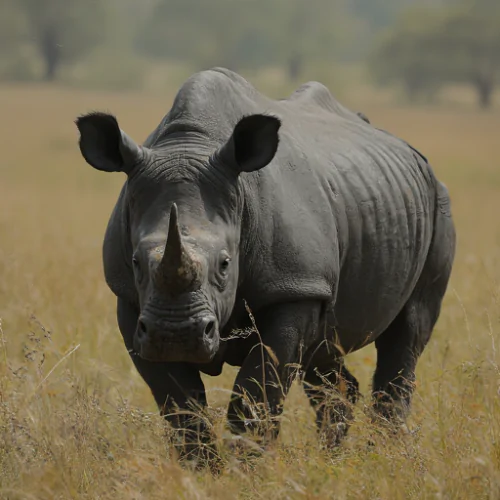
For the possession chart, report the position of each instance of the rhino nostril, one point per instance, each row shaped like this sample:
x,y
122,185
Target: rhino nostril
x,y
209,329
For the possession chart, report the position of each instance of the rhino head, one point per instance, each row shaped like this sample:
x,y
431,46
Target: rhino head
x,y
184,205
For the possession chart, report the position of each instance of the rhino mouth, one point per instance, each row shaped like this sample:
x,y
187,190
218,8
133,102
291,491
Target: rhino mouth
x,y
175,353
197,341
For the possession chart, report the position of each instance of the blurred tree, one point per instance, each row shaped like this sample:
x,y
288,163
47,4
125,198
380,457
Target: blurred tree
x,y
128,17
12,25
16,59
310,30
404,55
244,33
191,30
63,30
459,43
371,17
469,44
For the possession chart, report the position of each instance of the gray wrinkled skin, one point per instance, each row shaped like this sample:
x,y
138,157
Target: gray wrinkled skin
x,y
342,238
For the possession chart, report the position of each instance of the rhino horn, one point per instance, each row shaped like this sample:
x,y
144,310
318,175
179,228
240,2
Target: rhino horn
x,y
177,271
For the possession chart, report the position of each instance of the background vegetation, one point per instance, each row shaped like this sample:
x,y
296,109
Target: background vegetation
x,y
76,420
420,47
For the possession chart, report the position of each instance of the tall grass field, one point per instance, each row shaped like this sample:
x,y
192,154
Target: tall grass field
x,y
78,422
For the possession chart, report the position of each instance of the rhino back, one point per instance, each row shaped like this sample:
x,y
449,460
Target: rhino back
x,y
345,214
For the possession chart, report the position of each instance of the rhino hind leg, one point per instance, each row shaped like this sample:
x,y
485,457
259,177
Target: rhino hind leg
x,y
332,393
398,350
400,346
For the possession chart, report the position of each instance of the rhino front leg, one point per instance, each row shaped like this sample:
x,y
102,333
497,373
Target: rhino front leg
x,y
268,371
178,391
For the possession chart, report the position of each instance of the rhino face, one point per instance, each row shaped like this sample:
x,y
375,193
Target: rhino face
x,y
184,211
186,277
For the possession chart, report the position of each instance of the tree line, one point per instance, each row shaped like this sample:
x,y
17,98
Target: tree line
x,y
420,45
428,49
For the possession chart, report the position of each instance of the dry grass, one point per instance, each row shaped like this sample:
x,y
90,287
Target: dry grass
x,y
76,420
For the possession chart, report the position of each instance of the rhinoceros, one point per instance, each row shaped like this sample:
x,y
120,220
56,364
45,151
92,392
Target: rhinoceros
x,y
276,236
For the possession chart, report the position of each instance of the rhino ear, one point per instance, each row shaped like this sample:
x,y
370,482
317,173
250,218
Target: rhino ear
x,y
253,143
104,146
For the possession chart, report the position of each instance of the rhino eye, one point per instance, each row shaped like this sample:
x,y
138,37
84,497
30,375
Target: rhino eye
x,y
224,265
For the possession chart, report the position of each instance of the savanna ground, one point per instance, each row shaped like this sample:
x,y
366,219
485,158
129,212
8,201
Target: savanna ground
x,y
77,421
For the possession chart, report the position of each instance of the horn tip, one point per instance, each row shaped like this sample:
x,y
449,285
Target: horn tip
x,y
173,226
174,215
